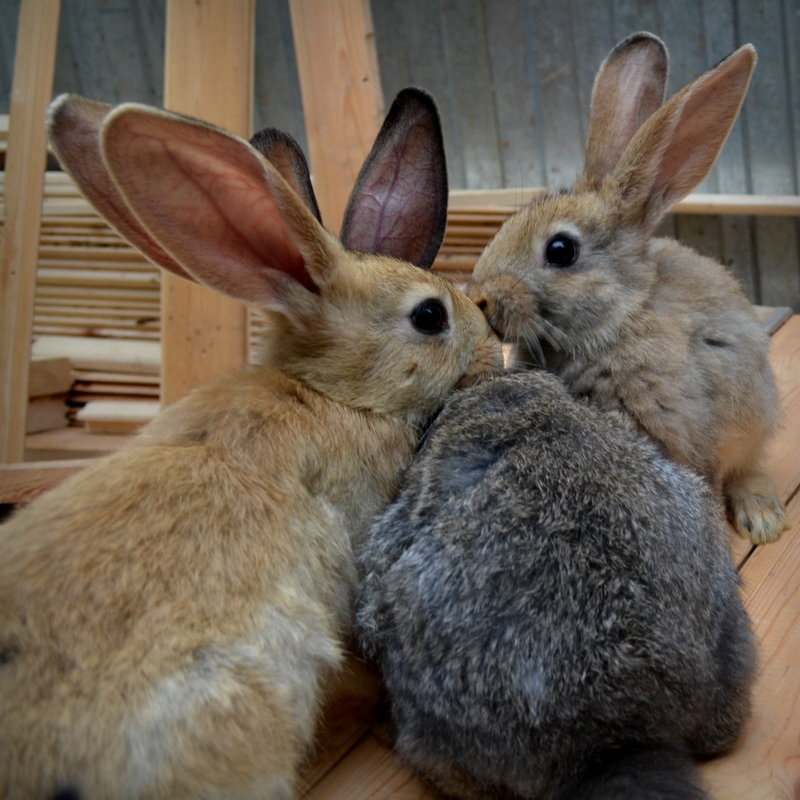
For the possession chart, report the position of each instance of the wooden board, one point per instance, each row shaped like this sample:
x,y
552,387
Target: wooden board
x,y
20,483
25,163
765,765
208,75
341,90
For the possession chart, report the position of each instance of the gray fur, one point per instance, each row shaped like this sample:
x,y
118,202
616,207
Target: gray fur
x,y
552,605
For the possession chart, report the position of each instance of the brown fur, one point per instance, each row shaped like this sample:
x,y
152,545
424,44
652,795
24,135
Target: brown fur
x,y
644,326
168,617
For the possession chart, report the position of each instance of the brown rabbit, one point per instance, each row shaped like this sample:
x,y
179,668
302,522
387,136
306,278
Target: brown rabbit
x,y
169,616
646,325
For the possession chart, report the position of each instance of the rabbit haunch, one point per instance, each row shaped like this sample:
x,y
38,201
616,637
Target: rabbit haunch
x,y
170,616
642,325
552,605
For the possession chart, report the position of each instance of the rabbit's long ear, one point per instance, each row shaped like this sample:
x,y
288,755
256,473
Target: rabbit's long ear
x,y
628,88
678,145
283,152
398,206
74,125
217,206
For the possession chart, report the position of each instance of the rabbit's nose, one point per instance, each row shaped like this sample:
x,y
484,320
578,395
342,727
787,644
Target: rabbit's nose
x,y
489,308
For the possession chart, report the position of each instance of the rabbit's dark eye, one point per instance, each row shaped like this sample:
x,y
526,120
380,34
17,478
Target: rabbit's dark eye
x,y
430,317
562,251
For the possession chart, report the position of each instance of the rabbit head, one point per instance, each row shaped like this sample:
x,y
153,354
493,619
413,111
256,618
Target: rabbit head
x,y
571,268
351,319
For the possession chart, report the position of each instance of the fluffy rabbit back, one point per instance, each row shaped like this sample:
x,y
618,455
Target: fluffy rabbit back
x,y
169,616
549,594
646,326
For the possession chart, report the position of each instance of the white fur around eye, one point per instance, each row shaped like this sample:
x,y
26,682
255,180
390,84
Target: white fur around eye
x,y
568,228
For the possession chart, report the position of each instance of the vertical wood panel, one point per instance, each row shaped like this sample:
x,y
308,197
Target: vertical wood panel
x,y
770,153
559,112
341,91
34,63
277,85
468,65
509,29
209,75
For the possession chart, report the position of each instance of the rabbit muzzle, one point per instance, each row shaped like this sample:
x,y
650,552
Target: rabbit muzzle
x,y
488,360
507,303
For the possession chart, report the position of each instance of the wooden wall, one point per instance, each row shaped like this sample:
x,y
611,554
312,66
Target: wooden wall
x,y
513,80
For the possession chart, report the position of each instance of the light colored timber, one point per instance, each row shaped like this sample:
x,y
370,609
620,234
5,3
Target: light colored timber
x,y
32,88
342,101
209,75
496,200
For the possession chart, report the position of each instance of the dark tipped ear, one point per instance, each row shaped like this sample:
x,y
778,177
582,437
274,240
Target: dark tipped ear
x,y
74,125
283,152
630,86
398,206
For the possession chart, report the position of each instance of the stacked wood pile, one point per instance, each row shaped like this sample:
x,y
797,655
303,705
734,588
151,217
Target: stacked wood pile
x,y
97,304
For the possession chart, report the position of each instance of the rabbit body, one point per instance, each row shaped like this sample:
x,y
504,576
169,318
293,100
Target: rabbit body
x,y
169,617
552,605
640,324
196,602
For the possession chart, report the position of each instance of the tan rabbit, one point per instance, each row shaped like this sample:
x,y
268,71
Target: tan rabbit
x,y
646,325
169,616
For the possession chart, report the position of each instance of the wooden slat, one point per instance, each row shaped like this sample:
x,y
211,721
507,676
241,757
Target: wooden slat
x,y
339,82
783,454
25,162
208,75
370,772
20,483
780,205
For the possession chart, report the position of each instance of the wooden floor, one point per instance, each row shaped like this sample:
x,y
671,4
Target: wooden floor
x,y
353,764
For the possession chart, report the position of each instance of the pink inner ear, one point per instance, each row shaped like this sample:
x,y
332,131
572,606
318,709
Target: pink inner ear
x,y
207,199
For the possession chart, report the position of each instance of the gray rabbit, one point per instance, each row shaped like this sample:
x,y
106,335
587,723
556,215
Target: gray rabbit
x,y
552,605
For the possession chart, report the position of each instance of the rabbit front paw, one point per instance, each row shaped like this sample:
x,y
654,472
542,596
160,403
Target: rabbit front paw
x,y
755,509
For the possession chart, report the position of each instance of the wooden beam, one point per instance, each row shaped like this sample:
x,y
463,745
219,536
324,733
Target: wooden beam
x,y
34,65
777,205
340,85
208,75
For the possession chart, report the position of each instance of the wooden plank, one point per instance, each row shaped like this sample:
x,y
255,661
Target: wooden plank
x,y
559,114
21,482
471,90
341,90
34,63
70,443
777,205
765,765
101,354
783,454
49,376
370,772
346,718
277,86
208,75
509,30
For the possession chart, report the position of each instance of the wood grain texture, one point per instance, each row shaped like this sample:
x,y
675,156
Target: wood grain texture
x,y
765,764
208,75
25,162
341,90
20,483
